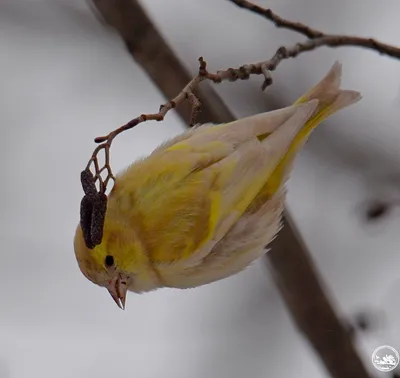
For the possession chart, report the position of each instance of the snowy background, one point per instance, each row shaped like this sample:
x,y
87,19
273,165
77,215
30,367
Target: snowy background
x,y
65,79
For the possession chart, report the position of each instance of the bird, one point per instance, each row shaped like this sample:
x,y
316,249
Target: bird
x,y
205,204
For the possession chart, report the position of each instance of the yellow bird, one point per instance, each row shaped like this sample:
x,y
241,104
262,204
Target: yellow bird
x,y
205,204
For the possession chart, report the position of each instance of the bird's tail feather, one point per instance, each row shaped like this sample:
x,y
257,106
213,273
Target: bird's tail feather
x,y
330,100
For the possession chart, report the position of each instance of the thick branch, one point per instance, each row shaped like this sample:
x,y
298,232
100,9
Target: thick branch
x,y
149,48
303,292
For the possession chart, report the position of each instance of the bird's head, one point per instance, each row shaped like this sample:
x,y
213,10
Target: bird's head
x,y
120,263
102,267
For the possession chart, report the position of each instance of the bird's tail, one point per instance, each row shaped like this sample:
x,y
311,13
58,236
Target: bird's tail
x,y
330,100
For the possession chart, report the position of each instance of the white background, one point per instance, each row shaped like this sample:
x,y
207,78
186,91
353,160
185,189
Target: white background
x,y
64,79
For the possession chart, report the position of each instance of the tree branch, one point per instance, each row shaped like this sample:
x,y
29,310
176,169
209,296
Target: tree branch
x,y
278,21
150,50
144,41
303,292
317,38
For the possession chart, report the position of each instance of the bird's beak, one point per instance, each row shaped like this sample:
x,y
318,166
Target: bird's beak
x,y
117,289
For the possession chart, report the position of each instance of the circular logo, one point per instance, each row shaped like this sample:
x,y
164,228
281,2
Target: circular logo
x,y
385,358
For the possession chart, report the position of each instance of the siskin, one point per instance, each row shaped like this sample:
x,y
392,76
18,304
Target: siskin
x,y
204,205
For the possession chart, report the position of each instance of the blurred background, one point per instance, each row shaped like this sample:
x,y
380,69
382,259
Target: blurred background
x,y
66,78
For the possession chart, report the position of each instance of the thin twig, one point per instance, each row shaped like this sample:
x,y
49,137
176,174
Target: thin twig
x,y
187,93
316,37
278,21
106,141
233,74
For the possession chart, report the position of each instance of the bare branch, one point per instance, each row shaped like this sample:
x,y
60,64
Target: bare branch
x,y
231,74
277,20
316,37
158,60
187,93
303,291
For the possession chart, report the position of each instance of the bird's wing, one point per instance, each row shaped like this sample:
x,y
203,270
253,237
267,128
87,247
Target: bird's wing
x,y
188,193
185,197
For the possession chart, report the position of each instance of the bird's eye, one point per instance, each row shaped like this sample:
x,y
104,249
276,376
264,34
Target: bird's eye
x,y
109,261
